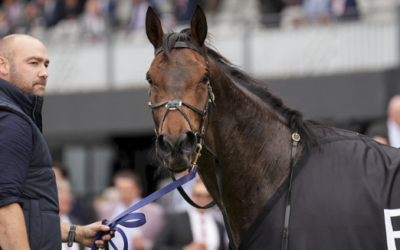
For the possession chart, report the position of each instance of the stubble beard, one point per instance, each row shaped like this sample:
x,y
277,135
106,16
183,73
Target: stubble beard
x,y
21,83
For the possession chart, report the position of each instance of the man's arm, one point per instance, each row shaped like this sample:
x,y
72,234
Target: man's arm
x,y
86,235
13,234
15,154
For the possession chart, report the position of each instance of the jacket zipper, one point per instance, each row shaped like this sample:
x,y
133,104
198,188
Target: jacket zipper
x,y
34,110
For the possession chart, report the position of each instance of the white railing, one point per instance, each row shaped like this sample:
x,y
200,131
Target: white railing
x,y
342,47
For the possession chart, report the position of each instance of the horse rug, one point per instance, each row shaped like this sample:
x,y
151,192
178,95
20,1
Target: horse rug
x,y
345,195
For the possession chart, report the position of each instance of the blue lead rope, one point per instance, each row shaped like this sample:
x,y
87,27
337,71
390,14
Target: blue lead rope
x,y
126,217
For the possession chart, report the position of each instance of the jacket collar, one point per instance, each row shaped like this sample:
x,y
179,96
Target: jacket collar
x,y
30,104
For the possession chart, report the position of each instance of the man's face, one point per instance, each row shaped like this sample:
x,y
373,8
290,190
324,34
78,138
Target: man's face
x,y
127,190
28,67
65,201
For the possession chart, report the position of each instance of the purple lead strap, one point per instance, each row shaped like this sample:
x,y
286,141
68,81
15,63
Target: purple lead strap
x,y
126,217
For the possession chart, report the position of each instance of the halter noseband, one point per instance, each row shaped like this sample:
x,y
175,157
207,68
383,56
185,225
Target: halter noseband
x,y
177,105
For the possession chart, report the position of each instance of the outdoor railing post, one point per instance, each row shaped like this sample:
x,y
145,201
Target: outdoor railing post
x,y
109,50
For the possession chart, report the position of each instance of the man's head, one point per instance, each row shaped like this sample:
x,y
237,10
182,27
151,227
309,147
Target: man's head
x,y
128,185
394,109
23,63
60,171
200,195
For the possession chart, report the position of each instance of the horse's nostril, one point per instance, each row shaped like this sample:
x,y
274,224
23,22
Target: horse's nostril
x,y
164,144
186,142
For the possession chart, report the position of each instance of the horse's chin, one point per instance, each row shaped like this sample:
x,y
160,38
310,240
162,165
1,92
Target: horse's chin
x,y
179,165
178,170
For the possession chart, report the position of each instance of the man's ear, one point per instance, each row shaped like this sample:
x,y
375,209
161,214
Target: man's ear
x,y
4,66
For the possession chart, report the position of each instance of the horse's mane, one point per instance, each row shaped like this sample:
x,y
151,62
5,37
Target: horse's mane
x,y
295,118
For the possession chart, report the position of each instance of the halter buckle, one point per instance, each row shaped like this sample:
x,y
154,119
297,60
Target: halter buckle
x,y
196,156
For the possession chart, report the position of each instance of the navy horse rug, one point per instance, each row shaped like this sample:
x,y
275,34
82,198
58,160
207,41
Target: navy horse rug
x,y
345,195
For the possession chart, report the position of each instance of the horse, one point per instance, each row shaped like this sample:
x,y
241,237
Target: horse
x,y
201,101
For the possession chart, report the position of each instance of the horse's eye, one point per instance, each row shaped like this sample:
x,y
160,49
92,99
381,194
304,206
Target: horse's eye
x,y
206,78
149,79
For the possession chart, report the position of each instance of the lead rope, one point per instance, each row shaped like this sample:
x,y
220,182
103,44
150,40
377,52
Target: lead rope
x,y
285,236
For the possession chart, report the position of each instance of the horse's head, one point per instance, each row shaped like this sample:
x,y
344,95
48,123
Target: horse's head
x,y
180,92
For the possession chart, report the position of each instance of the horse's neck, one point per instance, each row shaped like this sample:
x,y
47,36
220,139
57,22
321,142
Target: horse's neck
x,y
252,143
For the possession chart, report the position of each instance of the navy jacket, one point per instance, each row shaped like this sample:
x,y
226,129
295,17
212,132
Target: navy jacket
x,y
39,197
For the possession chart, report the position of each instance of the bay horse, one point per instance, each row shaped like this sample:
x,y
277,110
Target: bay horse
x,y
197,95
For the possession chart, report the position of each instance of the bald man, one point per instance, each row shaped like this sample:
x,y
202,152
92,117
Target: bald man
x,y
28,194
388,131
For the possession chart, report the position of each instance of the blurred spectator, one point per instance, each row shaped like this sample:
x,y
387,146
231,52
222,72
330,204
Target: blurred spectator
x,y
122,13
270,11
53,11
93,23
344,9
65,204
73,8
317,10
184,10
129,188
173,202
60,171
107,8
211,6
14,13
196,229
61,174
105,204
4,29
300,12
388,131
32,19
292,14
138,18
166,11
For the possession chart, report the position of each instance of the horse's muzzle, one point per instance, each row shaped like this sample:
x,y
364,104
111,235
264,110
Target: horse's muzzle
x,y
177,155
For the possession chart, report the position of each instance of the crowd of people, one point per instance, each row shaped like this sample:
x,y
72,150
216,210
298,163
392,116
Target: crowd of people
x,y
90,18
171,223
295,13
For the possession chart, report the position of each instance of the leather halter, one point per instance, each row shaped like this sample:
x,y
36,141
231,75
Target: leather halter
x,y
177,105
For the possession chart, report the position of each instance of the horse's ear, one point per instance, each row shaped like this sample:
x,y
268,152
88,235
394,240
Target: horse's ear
x,y
154,29
198,26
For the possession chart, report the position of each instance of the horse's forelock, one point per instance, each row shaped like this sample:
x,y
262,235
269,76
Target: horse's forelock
x,y
171,38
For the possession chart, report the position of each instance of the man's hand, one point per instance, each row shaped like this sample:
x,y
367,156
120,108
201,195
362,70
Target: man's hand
x,y
85,235
195,246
